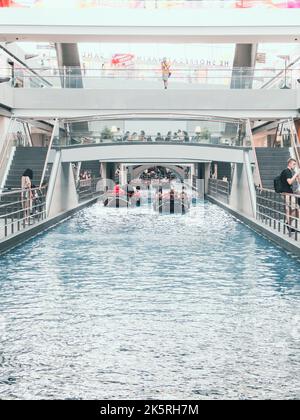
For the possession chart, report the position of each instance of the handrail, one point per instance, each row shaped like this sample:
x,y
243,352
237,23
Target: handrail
x,y
48,152
19,210
218,187
279,194
277,211
6,146
217,141
87,188
2,152
193,74
26,67
281,72
175,68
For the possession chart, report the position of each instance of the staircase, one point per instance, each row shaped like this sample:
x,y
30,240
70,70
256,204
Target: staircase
x,y
271,162
25,157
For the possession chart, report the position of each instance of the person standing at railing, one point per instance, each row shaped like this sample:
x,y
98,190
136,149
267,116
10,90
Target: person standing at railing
x,y
166,72
186,137
288,178
142,136
26,195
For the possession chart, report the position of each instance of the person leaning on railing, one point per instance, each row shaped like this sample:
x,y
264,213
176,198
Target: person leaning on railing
x,y
288,178
26,195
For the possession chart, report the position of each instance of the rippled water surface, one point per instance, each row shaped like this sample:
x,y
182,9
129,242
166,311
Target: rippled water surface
x,y
128,304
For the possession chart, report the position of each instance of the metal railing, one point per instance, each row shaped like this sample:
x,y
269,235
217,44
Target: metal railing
x,y
279,212
20,209
219,189
87,189
193,74
217,140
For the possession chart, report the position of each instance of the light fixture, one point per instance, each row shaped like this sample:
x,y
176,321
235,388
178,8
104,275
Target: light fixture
x,y
30,56
114,129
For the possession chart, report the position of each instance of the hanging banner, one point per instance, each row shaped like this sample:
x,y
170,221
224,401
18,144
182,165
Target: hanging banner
x,y
122,59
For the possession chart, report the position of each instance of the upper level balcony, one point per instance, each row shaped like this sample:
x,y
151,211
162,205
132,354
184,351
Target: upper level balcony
x,y
190,22
75,92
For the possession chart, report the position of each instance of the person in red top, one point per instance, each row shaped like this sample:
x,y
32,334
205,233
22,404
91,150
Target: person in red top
x,y
118,190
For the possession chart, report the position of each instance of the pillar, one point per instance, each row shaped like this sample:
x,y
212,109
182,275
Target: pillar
x,y
243,195
123,174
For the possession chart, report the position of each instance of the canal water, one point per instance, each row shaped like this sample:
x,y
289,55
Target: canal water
x,y
118,303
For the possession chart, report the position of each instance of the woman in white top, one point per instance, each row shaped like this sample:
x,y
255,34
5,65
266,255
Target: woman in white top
x,y
166,71
26,183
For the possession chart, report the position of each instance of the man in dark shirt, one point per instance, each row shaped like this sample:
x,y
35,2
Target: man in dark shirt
x,y
288,178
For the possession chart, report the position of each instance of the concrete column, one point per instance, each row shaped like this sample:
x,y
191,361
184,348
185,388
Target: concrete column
x,y
107,181
63,194
243,196
123,174
68,58
4,124
103,170
130,173
244,60
111,170
207,169
193,174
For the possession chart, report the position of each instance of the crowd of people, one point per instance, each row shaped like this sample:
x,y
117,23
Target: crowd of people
x,y
179,135
85,175
158,173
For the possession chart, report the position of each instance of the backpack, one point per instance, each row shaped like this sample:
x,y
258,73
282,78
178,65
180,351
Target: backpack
x,y
278,184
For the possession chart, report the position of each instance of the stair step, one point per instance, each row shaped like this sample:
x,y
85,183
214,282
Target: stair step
x,y
26,157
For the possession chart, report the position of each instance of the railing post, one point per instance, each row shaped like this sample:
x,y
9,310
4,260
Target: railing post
x,y
28,134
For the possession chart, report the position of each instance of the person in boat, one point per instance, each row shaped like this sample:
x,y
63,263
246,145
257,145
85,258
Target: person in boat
x,y
184,199
129,190
183,195
137,195
118,190
170,195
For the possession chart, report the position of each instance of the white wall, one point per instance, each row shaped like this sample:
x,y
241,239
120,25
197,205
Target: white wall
x,y
4,122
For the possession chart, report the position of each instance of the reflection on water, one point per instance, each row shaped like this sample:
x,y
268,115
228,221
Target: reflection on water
x,y
129,304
